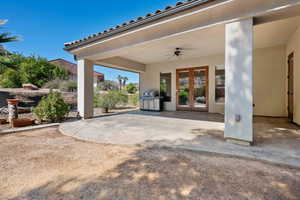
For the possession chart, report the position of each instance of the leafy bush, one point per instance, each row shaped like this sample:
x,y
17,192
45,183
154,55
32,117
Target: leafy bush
x,y
52,108
134,99
122,97
110,100
63,85
53,84
68,86
131,88
10,79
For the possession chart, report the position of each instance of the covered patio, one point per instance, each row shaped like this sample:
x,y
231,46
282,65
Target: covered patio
x,y
276,139
217,58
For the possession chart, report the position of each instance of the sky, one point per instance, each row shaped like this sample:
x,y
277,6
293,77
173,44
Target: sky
x,y
44,26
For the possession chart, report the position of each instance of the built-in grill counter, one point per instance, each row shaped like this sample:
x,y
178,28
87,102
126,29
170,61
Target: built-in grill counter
x,y
151,101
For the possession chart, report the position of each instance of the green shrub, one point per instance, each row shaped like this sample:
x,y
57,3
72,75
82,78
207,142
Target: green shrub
x,y
52,108
53,84
134,99
110,100
63,85
10,79
121,96
131,88
68,86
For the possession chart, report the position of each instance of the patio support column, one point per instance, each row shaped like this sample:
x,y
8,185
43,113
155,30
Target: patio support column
x,y
85,88
238,89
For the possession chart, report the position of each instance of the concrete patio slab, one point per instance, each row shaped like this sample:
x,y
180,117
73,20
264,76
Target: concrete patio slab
x,y
276,140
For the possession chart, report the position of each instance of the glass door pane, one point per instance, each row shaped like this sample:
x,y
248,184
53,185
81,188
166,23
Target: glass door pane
x,y
183,88
200,86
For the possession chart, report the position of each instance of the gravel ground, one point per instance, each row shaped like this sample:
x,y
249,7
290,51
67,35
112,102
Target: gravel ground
x,y
44,164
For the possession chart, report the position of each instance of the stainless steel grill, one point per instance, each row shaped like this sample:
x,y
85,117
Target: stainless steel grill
x,y
151,101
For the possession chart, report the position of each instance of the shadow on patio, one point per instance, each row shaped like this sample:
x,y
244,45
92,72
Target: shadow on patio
x,y
276,139
267,130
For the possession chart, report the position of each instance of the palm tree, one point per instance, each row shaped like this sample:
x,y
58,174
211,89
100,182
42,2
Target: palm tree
x,y
120,78
125,79
5,37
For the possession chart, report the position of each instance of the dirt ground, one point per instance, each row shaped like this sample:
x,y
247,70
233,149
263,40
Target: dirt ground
x,y
44,164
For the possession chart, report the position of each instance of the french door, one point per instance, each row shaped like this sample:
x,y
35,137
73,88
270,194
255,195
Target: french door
x,y
192,89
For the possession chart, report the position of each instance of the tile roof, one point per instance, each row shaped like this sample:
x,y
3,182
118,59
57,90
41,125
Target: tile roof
x,y
167,11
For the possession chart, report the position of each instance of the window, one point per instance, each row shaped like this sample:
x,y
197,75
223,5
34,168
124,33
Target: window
x,y
166,86
220,84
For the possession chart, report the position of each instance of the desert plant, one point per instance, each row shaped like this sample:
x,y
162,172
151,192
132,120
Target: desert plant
x,y
134,99
53,84
105,101
121,96
62,85
68,86
52,108
110,99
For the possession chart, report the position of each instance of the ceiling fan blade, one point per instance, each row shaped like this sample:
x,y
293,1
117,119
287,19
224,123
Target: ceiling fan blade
x,y
187,48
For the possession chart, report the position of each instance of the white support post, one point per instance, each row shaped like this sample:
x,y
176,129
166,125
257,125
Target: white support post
x,y
238,91
85,88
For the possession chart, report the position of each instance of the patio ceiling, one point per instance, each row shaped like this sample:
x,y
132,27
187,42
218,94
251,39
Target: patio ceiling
x,y
210,41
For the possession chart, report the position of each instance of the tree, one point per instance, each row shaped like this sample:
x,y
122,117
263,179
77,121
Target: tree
x,y
10,79
120,79
125,79
6,36
39,71
34,70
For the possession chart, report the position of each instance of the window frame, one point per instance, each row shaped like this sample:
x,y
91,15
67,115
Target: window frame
x,y
220,67
170,97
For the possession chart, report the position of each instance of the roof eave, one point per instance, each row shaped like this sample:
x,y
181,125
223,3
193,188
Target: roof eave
x,y
165,13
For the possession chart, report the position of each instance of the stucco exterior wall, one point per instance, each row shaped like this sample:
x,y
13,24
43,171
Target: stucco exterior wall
x,y
294,46
269,80
269,75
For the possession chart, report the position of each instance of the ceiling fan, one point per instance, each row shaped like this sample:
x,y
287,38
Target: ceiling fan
x,y
178,52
